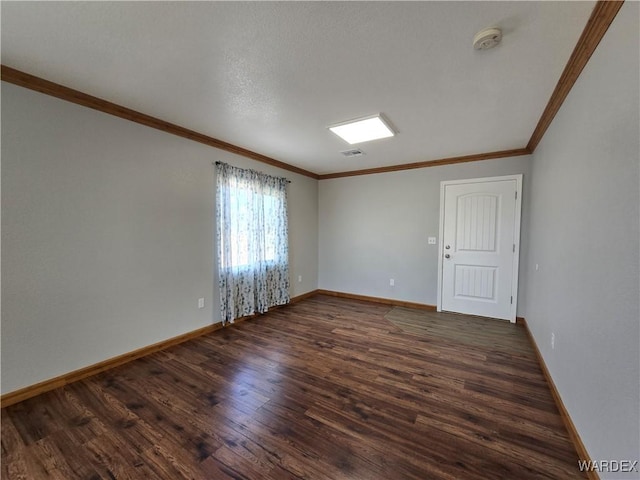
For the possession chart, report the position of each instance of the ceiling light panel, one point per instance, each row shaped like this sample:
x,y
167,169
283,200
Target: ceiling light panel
x,y
363,130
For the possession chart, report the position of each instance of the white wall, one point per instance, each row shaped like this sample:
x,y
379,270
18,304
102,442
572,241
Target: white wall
x,y
375,227
107,236
584,237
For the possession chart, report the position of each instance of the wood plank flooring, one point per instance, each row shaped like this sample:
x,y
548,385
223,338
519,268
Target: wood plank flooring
x,y
327,388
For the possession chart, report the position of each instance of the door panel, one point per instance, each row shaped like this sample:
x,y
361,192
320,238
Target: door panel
x,y
475,282
476,222
479,236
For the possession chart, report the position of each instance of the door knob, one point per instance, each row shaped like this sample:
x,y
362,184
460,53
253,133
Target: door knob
x,y
447,256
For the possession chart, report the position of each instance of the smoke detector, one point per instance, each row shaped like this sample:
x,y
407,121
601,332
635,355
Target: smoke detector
x,y
487,38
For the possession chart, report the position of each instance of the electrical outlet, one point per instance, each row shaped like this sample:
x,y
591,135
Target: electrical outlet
x,y
553,340
392,282
432,240
299,278
201,303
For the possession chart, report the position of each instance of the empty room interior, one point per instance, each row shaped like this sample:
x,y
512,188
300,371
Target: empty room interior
x,y
320,240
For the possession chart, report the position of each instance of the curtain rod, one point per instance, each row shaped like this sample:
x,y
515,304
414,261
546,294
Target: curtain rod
x,y
218,163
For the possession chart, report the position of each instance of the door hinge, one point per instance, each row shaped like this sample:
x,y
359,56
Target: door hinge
x,y
514,248
511,300
516,194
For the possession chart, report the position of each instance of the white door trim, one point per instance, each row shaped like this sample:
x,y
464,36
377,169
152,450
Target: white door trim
x,y
516,260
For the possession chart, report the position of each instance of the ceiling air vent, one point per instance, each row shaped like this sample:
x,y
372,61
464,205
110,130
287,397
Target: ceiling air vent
x,y
355,152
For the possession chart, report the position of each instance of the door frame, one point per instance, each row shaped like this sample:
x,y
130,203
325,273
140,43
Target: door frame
x,y
516,237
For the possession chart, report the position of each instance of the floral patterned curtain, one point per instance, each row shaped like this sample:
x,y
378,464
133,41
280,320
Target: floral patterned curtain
x,y
253,244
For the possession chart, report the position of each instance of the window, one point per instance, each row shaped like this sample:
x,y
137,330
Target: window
x,y
241,225
252,237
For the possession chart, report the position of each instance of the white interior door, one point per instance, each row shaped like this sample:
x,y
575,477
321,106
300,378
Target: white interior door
x,y
479,246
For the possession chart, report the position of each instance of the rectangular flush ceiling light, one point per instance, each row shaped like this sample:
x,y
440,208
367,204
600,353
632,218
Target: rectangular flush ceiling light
x,y
363,130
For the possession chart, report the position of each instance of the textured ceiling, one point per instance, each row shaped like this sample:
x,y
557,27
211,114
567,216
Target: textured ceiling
x,y
271,76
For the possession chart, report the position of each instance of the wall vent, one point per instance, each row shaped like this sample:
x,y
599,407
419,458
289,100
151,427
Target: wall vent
x,y
354,152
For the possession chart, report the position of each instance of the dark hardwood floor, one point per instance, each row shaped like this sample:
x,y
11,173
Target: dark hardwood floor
x,y
327,388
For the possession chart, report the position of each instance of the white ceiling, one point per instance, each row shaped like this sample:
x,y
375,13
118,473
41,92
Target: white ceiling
x,y
271,76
